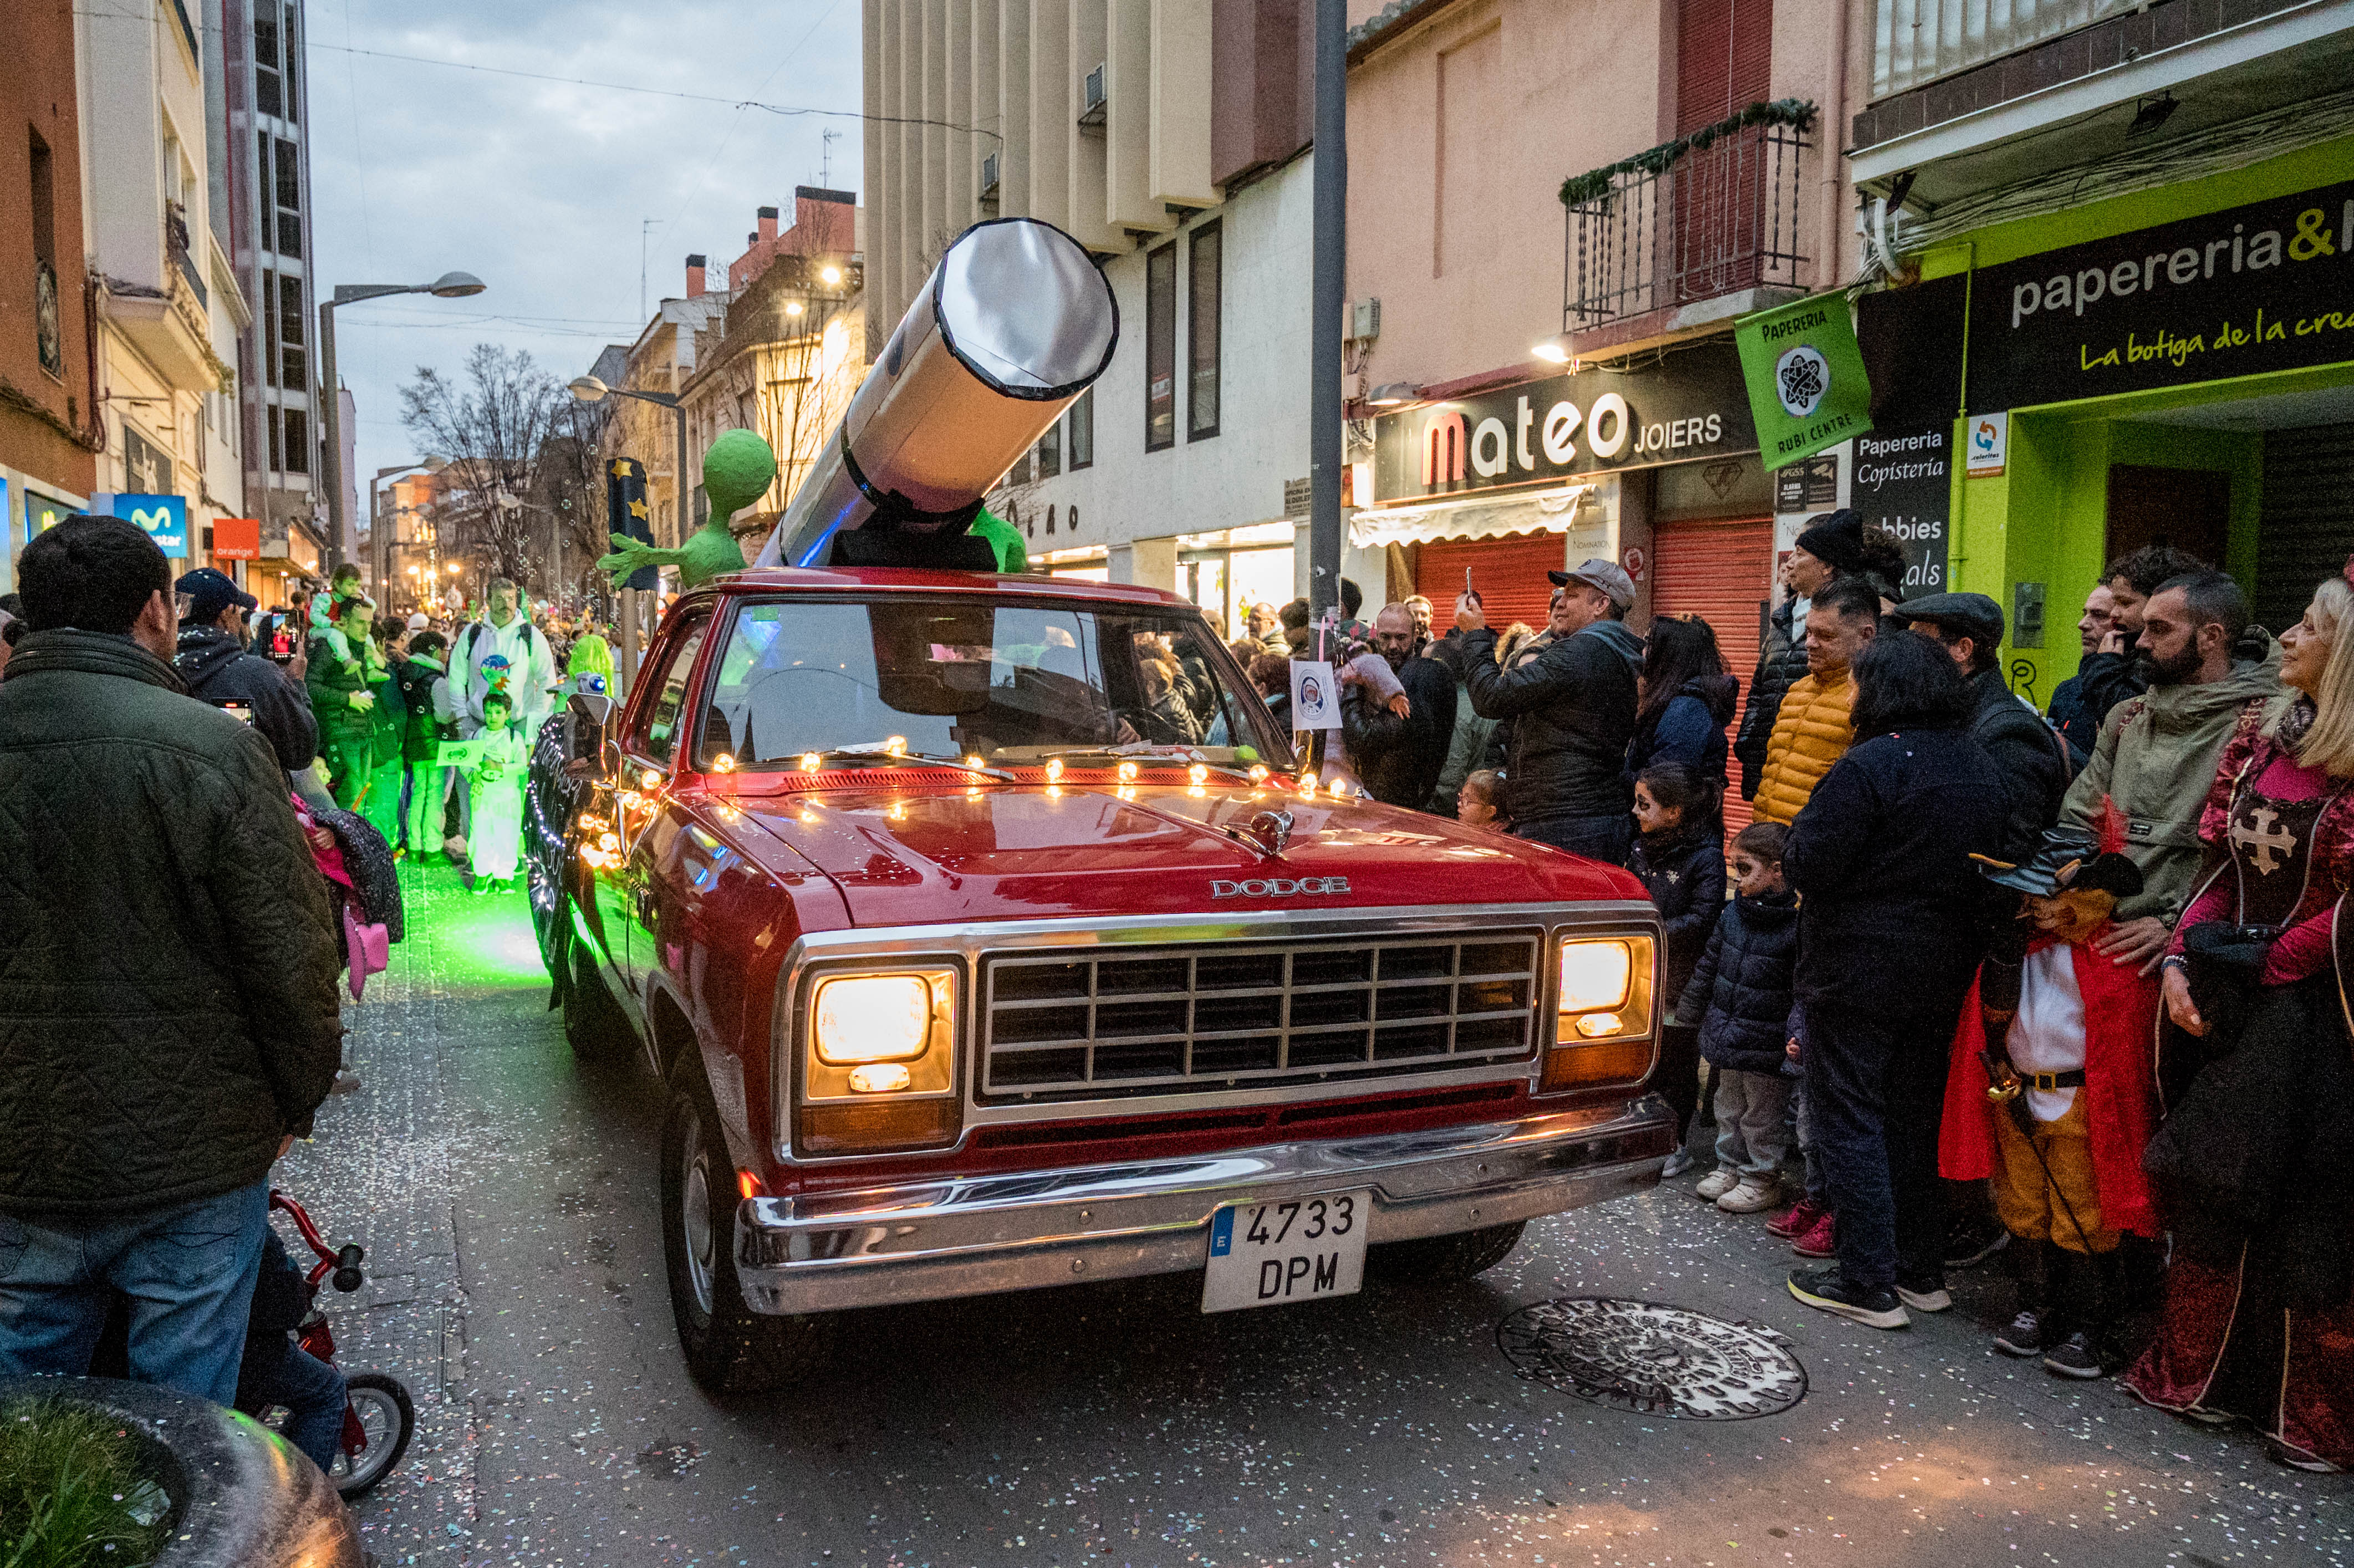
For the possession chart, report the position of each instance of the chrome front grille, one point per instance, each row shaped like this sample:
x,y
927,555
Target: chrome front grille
x,y
1131,1022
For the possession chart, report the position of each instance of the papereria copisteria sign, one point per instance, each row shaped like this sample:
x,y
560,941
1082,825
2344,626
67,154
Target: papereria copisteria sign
x,y
1683,405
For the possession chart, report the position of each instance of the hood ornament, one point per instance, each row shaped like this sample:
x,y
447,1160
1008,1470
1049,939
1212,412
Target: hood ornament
x,y
1268,833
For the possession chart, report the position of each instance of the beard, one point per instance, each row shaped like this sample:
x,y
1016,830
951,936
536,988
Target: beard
x,y
2174,671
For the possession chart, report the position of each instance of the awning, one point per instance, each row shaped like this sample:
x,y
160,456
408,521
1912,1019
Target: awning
x,y
1487,517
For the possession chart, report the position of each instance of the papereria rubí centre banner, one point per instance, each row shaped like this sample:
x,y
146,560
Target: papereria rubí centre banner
x,y
1806,380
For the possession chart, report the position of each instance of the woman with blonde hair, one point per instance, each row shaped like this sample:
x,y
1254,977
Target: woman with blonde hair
x,y
2256,1073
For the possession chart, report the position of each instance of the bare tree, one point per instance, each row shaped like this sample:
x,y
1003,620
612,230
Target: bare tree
x,y
495,423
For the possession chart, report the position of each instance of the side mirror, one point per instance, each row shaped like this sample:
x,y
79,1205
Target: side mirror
x,y
590,716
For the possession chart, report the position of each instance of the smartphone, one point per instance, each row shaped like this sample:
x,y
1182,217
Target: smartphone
x,y
1469,591
242,712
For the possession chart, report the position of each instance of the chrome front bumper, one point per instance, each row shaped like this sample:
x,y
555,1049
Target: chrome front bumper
x,y
933,1240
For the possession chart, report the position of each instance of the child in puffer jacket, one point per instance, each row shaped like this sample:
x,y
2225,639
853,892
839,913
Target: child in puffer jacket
x,y
1741,995
1680,856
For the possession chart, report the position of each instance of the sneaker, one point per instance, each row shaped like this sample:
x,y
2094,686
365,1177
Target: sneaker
x,y
1973,1241
1751,1195
2023,1338
1678,1164
1924,1292
2075,1356
1797,1219
1821,1241
1717,1183
1829,1290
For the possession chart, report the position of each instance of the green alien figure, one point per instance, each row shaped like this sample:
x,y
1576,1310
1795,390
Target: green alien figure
x,y
735,471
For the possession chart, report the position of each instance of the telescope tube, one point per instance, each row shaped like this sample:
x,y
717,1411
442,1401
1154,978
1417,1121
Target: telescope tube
x,y
1015,322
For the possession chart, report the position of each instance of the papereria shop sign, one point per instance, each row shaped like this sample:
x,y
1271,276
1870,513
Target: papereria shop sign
x,y
1685,406
2268,286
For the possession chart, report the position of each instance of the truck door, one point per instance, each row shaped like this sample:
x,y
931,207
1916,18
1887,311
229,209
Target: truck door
x,y
653,747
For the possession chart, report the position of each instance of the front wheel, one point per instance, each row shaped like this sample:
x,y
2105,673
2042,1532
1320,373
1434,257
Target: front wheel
x,y
730,1348
1444,1260
377,1425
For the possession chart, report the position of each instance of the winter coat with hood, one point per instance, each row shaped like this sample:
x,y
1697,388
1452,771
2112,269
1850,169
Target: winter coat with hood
x,y
1891,918
217,669
1781,664
1572,712
168,1009
2031,758
1684,867
338,669
1811,733
1689,729
1741,993
2156,758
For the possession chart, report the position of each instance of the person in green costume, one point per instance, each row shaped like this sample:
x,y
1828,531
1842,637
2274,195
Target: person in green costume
x,y
736,469
1012,553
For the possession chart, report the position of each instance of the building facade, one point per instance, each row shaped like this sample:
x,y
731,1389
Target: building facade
x,y
1173,142
48,391
2137,331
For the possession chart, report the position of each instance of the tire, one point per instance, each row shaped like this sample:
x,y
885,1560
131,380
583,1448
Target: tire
x,y
594,1023
389,1418
1444,1260
730,1348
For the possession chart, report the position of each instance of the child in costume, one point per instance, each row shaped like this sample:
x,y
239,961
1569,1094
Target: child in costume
x,y
2051,1094
495,790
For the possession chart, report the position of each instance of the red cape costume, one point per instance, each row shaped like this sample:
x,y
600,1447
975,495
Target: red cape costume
x,y
2121,1102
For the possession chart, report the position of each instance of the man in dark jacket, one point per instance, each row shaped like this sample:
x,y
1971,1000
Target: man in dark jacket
x,y
2118,671
2070,712
1400,759
1572,712
168,1020
212,658
2032,761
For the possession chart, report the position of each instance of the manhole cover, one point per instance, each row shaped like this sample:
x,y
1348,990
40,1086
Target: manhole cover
x,y
1652,1359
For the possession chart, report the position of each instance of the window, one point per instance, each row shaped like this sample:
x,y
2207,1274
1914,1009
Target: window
x,y
1160,349
262,183
293,57
269,303
266,62
1082,430
1202,332
1050,451
669,701
289,187
145,464
298,441
48,333
277,452
293,372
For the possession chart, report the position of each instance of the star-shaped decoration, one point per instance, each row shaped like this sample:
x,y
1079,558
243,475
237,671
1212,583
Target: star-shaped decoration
x,y
637,509
620,468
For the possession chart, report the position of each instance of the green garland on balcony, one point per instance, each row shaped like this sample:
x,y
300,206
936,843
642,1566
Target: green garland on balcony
x,y
1798,113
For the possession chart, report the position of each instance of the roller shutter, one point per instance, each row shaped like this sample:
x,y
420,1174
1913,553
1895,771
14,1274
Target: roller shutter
x,y
1510,574
1722,573
2307,527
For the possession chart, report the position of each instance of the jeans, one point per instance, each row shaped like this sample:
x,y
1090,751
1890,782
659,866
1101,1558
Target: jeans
x,y
188,1271
1752,1110
311,1390
1608,837
1876,1094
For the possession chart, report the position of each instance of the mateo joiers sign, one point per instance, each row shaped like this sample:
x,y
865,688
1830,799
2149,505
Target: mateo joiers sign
x,y
1686,405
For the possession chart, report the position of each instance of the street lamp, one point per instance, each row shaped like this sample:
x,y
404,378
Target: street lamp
x,y
379,547
448,286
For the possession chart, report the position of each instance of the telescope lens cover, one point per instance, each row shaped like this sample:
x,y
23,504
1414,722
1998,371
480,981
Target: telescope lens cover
x,y
1025,310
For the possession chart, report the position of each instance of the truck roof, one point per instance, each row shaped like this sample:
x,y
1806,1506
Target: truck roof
x,y
858,580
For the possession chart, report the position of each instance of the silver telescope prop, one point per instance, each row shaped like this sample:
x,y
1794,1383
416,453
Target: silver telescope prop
x,y
1014,323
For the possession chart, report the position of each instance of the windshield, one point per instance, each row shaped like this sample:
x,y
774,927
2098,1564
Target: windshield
x,y
1012,683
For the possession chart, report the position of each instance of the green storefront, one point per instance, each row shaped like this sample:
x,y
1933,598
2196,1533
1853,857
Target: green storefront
x,y
2174,364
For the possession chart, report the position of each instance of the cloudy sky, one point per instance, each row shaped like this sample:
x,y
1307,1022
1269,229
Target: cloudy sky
x,y
541,188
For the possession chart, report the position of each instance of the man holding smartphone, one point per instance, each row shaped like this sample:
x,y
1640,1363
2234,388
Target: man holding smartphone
x,y
213,659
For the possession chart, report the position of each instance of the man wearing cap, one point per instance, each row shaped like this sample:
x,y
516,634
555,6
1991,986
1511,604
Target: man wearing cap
x,y
2034,761
212,658
1573,713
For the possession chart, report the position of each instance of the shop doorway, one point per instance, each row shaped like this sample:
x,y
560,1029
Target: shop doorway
x,y
2307,528
2188,508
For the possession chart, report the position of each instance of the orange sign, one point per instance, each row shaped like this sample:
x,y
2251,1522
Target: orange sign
x,y
236,539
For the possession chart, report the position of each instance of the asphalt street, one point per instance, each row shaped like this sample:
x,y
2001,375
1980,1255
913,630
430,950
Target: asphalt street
x,y
507,1199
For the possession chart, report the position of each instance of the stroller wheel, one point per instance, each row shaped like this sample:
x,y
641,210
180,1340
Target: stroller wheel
x,y
384,1419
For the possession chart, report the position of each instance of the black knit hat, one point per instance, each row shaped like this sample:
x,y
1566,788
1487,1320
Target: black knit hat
x,y
1836,539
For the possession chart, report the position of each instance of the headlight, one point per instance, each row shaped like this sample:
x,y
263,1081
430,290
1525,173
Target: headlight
x,y
1604,1027
879,1071
871,1018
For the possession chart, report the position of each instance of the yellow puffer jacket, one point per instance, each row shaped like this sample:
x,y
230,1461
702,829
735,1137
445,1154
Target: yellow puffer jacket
x,y
1813,730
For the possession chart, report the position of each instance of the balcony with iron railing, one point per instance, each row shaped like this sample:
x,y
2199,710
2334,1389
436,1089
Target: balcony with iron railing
x,y
1709,215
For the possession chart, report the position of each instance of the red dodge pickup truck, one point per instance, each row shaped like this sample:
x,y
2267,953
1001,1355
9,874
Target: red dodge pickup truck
x,y
987,937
